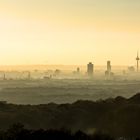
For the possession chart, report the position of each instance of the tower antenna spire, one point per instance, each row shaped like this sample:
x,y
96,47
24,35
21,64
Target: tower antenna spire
x,y
137,59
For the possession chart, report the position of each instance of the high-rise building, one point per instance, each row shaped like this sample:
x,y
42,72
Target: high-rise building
x,y
108,71
109,67
90,69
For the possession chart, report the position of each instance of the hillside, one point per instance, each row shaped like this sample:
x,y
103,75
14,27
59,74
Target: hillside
x,y
116,117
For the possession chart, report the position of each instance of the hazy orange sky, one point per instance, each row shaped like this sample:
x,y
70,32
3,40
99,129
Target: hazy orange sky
x,y
69,31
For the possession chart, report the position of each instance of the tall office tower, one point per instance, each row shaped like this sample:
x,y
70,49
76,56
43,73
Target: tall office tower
x,y
108,71
109,67
90,69
137,59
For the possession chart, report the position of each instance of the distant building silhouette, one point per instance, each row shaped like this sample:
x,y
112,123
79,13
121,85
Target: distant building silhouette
x,y
78,70
137,59
108,71
131,69
57,72
90,69
109,67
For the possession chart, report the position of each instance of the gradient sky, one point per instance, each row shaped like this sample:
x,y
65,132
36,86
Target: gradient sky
x,y
69,31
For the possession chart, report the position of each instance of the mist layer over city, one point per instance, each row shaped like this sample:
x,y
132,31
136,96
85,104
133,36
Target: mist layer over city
x,y
67,84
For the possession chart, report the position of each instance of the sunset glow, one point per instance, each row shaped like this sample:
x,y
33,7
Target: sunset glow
x,y
69,31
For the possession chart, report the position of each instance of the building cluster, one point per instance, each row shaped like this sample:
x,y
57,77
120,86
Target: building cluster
x,y
90,69
108,72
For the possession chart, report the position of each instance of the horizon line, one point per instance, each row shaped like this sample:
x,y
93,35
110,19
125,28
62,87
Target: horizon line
x,y
59,65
